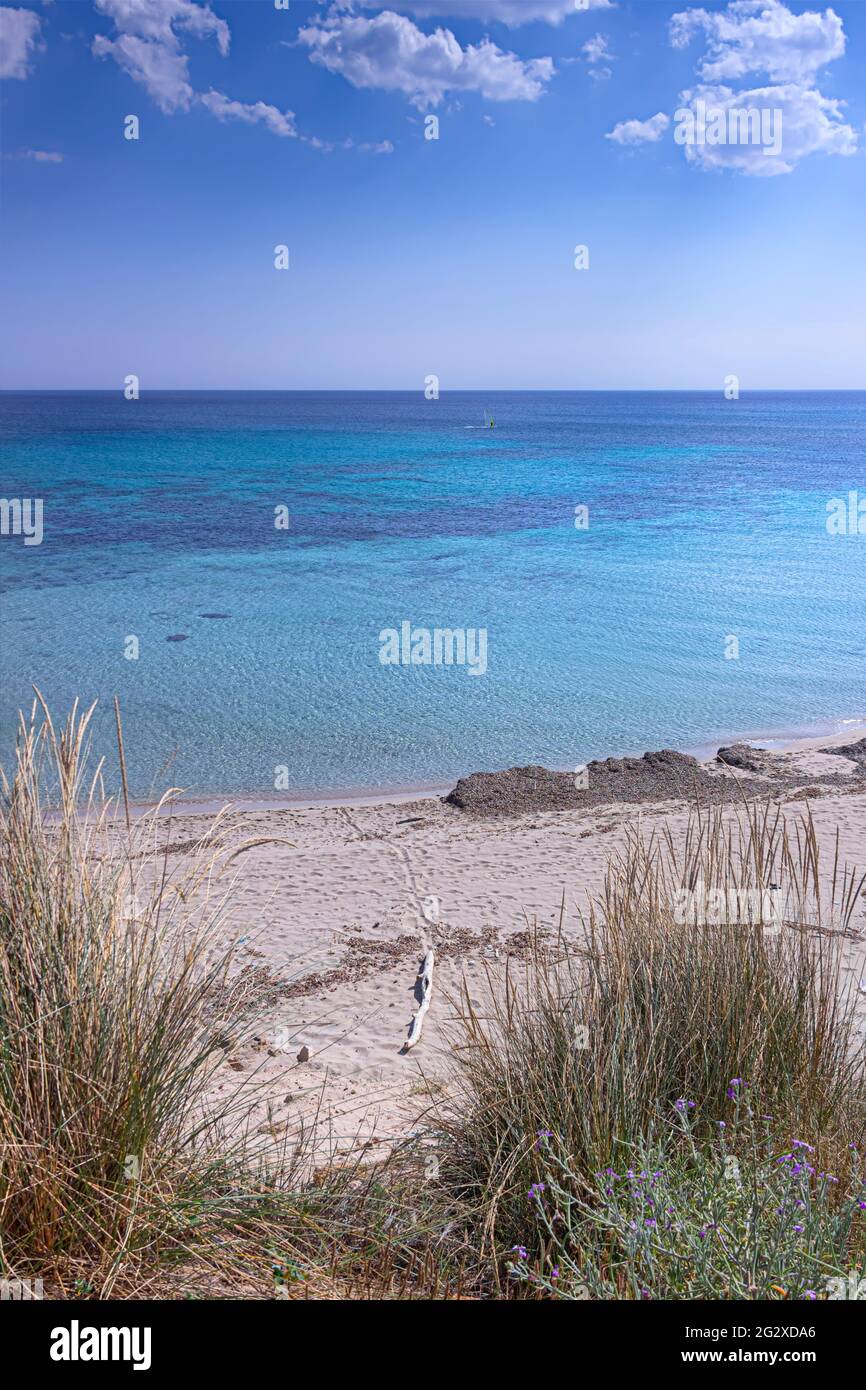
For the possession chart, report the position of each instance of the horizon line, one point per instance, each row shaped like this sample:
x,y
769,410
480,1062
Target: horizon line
x,y
416,390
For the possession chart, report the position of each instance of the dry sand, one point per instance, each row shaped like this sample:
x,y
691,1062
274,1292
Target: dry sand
x,y
333,926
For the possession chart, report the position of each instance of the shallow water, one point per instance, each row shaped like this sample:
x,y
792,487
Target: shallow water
x,y
707,521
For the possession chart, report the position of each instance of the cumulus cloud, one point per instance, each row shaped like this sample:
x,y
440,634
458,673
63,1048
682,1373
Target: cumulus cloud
x,y
761,131
640,132
596,49
510,12
761,36
252,113
160,19
598,55
148,47
161,69
390,53
765,37
19,36
793,122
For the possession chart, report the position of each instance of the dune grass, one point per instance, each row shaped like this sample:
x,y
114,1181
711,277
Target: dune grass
x,y
616,1050
591,1044
120,1174
108,993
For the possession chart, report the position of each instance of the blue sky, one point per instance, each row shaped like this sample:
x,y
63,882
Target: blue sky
x,y
261,126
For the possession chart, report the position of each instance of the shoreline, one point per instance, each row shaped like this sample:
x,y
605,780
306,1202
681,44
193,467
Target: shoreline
x,y
333,905
780,741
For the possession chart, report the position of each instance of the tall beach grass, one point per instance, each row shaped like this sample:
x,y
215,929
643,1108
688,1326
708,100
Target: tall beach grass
x,y
590,1045
121,1174
635,1042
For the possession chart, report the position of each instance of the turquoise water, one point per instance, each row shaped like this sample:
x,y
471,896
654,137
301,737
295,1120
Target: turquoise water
x,y
707,519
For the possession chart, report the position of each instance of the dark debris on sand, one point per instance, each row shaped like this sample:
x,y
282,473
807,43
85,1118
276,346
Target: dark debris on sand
x,y
660,776
745,758
656,777
855,751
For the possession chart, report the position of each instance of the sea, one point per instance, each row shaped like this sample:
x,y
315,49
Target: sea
x,y
272,583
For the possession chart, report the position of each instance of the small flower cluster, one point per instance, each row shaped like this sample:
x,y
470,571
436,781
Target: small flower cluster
x,y
693,1216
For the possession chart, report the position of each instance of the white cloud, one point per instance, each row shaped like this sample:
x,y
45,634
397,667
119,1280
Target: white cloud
x,y
328,146
761,36
148,47
640,132
159,19
253,113
761,131
764,36
807,123
19,36
510,12
598,55
44,156
159,68
596,49
390,53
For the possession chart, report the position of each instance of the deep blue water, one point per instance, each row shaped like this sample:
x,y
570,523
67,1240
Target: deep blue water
x,y
707,520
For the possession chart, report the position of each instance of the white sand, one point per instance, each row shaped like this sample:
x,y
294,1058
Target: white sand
x,y
424,871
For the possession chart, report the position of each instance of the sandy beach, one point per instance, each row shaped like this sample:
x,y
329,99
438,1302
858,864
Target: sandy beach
x,y
333,920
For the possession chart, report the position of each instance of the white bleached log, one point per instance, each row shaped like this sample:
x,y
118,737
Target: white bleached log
x,y
426,977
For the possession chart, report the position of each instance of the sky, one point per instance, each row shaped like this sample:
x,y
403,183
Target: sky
x,y
561,124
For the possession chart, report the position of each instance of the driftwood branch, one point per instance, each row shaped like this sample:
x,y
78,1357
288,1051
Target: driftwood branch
x,y
425,976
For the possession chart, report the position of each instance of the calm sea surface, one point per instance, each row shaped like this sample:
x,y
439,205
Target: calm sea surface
x,y
707,521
